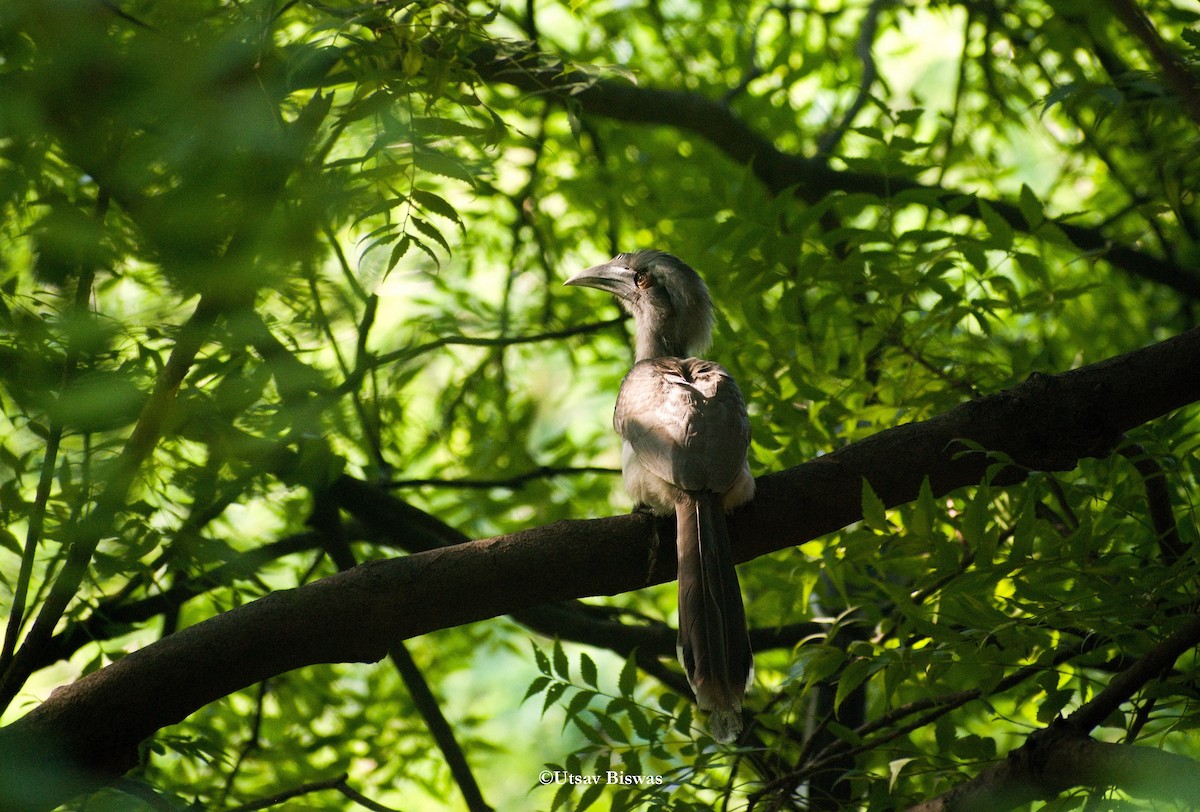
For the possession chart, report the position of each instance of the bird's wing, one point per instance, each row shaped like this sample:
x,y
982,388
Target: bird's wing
x,y
686,422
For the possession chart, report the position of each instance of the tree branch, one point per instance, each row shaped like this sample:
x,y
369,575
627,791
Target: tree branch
x,y
1158,501
87,733
810,178
339,783
408,353
514,482
1176,71
1125,684
1063,756
1057,759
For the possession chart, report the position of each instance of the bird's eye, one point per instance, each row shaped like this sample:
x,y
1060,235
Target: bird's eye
x,y
641,279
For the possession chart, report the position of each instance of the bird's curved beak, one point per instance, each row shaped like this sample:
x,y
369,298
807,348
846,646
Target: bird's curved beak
x,y
615,279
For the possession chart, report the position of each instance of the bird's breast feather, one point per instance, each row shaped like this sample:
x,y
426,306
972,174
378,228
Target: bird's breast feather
x,y
686,422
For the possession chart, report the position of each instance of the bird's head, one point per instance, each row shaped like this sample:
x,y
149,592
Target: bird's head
x,y
667,299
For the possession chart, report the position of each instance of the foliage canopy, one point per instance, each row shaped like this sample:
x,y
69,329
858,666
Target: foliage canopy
x,y
280,294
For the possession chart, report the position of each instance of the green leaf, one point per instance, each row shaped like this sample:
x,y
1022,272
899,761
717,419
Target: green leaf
x,y
894,768
628,679
611,727
852,676
1034,267
563,795
578,703
430,127
556,690
1050,708
98,401
874,512
562,666
815,663
1024,531
945,734
445,165
997,226
1031,207
429,252
438,205
398,252
683,722
589,731
9,542
1060,94
542,661
603,762
386,205
924,510
587,669
641,723
874,133
631,762
590,795
426,228
976,519
974,254
536,687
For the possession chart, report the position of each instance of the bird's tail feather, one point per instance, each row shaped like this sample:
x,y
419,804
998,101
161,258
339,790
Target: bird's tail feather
x,y
714,647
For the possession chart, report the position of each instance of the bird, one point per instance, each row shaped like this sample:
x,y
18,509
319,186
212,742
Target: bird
x,y
685,437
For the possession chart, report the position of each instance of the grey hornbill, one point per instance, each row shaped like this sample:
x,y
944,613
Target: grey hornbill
x,y
685,433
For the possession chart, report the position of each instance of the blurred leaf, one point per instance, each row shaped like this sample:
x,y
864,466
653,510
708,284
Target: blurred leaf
x,y
98,401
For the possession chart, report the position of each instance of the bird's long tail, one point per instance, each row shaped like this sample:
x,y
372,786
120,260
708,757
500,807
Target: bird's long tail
x,y
714,647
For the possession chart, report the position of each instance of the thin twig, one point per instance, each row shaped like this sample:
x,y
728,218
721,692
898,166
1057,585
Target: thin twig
x,y
126,16
251,744
338,783
286,795
1158,502
409,353
870,73
513,482
438,726
37,516
753,68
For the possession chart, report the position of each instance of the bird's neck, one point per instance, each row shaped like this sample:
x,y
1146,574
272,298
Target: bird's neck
x,y
662,340
654,349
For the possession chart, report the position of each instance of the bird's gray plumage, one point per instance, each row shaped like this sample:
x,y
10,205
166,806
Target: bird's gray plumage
x,y
685,423
685,431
